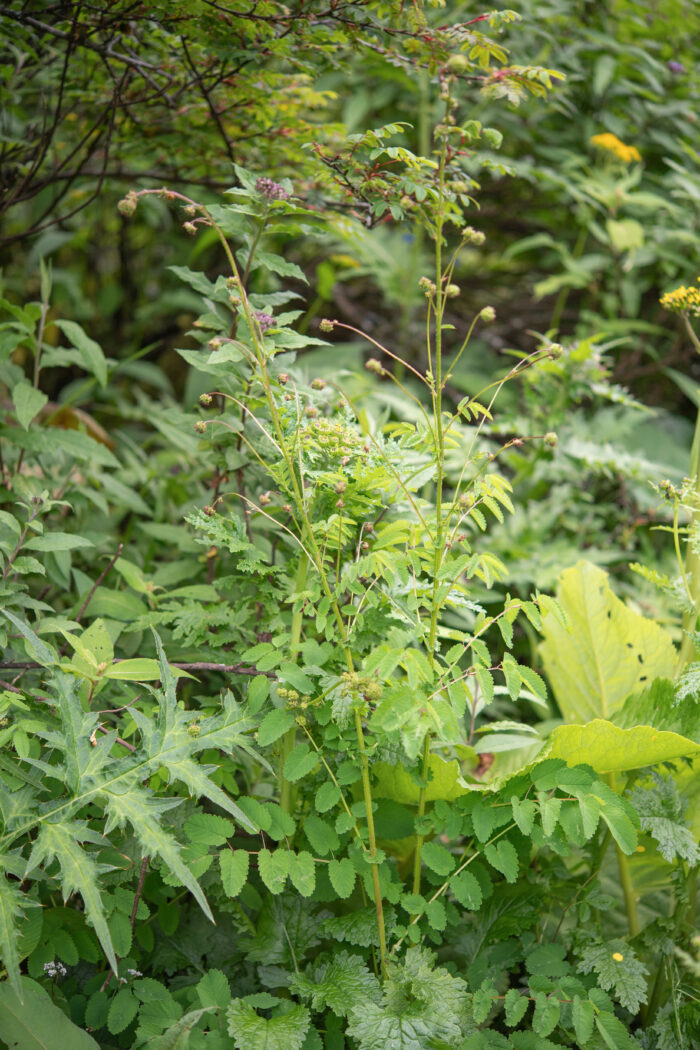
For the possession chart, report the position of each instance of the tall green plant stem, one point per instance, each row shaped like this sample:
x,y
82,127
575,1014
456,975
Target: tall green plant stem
x,y
289,740
626,878
316,557
692,560
367,789
439,437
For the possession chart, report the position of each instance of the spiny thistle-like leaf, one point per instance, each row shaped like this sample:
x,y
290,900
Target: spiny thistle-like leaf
x,y
79,872
143,812
11,904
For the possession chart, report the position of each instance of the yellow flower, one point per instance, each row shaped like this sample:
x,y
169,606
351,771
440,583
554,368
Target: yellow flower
x,y
611,143
683,300
618,956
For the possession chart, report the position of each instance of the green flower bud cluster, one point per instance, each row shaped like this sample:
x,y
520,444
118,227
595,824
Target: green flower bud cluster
x,y
332,437
362,685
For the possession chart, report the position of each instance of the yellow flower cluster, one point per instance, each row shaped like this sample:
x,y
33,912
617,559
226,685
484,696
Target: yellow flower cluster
x,y
612,144
683,300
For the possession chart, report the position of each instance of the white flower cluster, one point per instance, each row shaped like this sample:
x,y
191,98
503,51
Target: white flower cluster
x,y
55,969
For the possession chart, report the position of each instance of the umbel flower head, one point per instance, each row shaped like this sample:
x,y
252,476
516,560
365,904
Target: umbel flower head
x,y
612,144
683,300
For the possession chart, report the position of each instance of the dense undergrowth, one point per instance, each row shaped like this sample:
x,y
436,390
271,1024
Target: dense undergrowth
x,y
323,725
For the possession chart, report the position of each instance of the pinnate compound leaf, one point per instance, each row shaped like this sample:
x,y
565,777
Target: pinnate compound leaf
x,y
234,870
342,876
582,1014
502,856
341,982
618,970
250,1031
607,652
31,1021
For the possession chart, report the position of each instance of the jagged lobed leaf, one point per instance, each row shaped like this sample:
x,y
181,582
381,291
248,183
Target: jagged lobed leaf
x,y
341,982
250,1031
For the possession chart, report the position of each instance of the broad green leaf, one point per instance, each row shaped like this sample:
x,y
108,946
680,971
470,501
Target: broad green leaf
x,y
502,856
213,990
274,725
234,870
140,669
41,652
28,402
608,749
615,1035
546,1015
515,1007
395,782
607,652
74,444
327,796
91,353
322,836
208,829
273,868
302,872
467,890
300,762
582,1016
342,876
437,858
33,1022
122,1011
57,541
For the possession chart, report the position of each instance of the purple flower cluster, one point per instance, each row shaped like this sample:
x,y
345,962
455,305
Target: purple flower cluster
x,y
264,320
271,189
675,67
